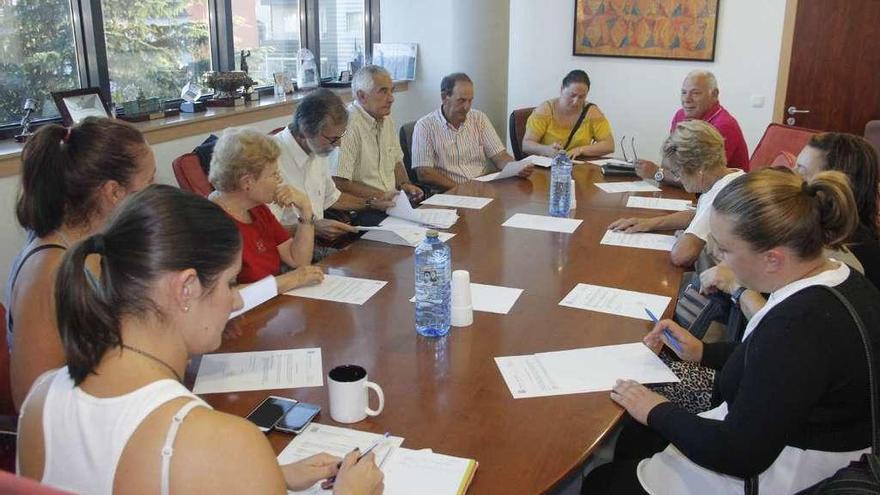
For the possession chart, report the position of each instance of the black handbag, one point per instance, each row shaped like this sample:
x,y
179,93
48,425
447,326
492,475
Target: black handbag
x,y
696,311
862,476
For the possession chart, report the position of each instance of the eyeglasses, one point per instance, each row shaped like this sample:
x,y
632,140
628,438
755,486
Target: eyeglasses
x,y
333,140
632,145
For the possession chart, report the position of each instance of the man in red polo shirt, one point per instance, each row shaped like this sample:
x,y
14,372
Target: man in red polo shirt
x,y
699,100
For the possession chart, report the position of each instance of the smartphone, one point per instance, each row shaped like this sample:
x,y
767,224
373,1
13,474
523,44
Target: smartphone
x,y
272,409
297,418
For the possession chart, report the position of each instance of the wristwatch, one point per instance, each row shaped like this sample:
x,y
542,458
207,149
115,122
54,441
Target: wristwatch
x,y
737,294
310,221
658,175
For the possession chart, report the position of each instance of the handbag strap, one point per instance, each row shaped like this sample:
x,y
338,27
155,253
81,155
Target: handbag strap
x,y
577,124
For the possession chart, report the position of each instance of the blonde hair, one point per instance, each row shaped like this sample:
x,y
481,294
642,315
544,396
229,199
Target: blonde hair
x,y
239,152
693,146
775,207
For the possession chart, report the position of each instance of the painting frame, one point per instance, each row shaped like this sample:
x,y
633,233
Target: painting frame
x,y
66,102
706,54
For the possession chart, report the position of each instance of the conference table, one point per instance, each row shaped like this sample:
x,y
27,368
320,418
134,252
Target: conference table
x,y
447,394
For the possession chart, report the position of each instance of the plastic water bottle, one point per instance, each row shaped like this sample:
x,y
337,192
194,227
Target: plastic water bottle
x,y
433,286
560,185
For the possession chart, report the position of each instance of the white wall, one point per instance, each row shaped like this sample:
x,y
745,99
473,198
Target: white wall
x,y
640,96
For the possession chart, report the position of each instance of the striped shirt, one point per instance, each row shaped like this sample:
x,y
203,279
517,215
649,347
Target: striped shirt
x,y
459,154
369,151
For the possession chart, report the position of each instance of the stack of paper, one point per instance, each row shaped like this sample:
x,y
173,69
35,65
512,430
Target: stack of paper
x,y
622,187
541,222
439,218
406,471
262,370
256,293
457,201
401,235
659,203
337,288
615,301
579,371
657,242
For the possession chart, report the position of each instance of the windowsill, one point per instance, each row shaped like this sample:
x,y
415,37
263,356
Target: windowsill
x,y
192,124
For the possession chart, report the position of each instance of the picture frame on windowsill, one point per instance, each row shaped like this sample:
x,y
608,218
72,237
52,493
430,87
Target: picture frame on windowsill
x,y
75,105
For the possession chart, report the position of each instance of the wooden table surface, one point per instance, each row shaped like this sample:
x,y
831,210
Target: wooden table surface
x,y
447,394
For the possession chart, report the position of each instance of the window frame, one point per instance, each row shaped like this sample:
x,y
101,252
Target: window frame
x,y
91,49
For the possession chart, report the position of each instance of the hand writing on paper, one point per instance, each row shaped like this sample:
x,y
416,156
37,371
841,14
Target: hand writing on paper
x,y
358,477
303,474
688,348
632,225
636,399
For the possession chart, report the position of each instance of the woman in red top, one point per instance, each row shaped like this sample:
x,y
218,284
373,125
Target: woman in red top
x,y
244,172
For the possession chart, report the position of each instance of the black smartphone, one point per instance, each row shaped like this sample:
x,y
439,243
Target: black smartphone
x,y
272,409
297,418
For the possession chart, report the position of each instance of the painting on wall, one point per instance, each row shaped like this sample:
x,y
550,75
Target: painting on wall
x,y
664,29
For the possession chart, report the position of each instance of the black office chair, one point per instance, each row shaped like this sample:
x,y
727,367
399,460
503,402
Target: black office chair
x,y
406,134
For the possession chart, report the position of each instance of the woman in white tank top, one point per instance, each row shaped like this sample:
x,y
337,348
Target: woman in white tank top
x,y
117,419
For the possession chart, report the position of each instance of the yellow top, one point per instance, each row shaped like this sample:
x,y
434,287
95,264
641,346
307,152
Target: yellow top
x,y
542,123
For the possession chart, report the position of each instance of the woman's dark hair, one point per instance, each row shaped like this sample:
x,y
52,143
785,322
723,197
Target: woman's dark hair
x,y
576,76
62,168
856,158
775,207
158,230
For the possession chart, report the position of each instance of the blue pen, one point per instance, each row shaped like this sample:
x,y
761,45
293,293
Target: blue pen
x,y
672,340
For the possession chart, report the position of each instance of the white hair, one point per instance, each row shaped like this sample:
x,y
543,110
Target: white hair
x,y
365,78
711,82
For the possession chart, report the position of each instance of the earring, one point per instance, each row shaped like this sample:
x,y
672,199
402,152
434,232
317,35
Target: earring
x,y
186,309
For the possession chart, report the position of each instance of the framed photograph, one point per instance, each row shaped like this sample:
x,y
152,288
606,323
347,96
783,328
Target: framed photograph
x,y
78,104
283,80
398,58
660,29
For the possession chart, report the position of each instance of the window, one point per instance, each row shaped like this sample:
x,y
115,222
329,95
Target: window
x,y
342,40
155,47
37,56
270,31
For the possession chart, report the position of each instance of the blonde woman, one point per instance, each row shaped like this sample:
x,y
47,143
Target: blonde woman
x,y
244,172
694,154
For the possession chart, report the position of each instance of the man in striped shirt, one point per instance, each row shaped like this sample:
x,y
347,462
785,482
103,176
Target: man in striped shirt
x,y
455,144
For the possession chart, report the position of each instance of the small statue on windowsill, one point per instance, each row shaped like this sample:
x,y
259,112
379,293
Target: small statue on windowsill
x,y
243,63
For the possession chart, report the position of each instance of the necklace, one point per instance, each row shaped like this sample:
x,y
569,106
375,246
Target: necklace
x,y
154,358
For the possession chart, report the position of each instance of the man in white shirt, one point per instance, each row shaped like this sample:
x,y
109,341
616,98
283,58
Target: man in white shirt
x,y
455,144
318,125
370,161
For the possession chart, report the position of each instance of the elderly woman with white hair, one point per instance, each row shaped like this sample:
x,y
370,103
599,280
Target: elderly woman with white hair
x,y
693,154
244,172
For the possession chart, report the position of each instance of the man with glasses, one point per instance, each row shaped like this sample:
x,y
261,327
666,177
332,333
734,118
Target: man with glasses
x,y
318,126
370,161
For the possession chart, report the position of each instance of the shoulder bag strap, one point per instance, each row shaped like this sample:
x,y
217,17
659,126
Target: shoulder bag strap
x,y
577,124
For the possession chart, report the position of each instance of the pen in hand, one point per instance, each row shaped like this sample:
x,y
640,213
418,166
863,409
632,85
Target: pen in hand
x,y
328,483
676,345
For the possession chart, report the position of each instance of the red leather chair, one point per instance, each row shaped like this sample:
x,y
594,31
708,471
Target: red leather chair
x,y
517,129
190,176
779,146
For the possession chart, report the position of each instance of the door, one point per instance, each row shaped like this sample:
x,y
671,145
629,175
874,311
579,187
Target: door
x,y
834,76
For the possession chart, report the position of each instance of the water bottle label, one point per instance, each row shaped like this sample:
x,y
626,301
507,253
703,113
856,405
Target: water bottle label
x,y
429,274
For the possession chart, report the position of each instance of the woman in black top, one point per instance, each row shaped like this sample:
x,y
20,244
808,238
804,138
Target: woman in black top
x,y
794,405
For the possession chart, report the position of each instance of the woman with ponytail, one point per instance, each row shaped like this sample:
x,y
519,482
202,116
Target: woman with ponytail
x,y
117,418
792,398
71,181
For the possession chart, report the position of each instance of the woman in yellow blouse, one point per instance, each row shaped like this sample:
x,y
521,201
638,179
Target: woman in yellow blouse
x,y
549,127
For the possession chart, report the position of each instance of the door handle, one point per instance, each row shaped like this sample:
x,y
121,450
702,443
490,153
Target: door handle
x,y
792,110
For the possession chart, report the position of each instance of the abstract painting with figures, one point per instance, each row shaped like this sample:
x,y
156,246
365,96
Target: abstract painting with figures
x,y
665,29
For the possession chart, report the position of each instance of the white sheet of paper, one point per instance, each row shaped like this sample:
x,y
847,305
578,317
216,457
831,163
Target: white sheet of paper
x,y
453,200
542,222
597,368
261,370
526,377
659,203
424,472
491,298
622,187
337,288
439,218
488,177
545,161
401,235
640,240
256,293
612,161
615,301
336,441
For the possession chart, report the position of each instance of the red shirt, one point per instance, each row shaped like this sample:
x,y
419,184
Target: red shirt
x,y
259,245
735,146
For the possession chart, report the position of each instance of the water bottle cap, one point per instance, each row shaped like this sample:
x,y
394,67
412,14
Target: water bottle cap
x,y
432,233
